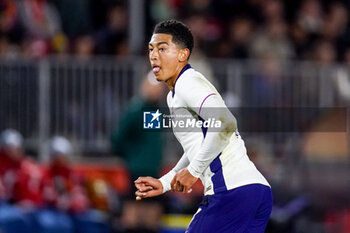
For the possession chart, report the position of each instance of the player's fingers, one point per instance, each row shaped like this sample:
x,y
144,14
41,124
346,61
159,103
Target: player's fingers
x,y
142,180
173,184
152,193
150,181
178,187
138,186
143,187
174,187
186,190
140,194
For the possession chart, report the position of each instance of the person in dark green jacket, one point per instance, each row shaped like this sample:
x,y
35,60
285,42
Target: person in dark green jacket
x,y
141,149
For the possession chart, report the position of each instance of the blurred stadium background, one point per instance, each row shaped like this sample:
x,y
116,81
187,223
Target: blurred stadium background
x,y
77,69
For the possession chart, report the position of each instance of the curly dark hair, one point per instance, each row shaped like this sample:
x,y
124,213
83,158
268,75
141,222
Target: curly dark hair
x,y
182,35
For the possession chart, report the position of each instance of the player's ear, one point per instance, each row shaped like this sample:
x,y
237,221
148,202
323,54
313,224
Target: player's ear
x,y
184,54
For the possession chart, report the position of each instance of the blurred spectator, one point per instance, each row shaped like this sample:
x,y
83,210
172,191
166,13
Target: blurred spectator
x,y
206,32
12,218
9,21
142,150
63,188
122,48
40,18
197,23
273,40
20,177
336,28
195,7
310,16
110,38
64,193
273,10
324,52
60,45
10,151
240,33
161,10
301,40
222,49
84,47
34,48
76,16
335,21
4,47
265,89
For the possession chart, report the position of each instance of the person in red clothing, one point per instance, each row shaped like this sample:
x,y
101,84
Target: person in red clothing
x,y
10,155
63,188
20,177
65,195
20,180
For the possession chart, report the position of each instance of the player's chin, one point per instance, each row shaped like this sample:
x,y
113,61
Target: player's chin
x,y
160,78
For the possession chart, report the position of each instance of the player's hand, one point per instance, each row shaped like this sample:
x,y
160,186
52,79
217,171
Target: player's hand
x,y
148,187
183,181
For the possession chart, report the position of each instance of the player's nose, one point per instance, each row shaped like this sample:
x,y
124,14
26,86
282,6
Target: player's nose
x,y
153,55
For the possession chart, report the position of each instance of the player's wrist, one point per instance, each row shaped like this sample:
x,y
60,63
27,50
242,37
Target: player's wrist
x,y
193,172
165,187
166,180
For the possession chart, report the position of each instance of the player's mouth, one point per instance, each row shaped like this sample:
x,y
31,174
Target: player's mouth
x,y
156,69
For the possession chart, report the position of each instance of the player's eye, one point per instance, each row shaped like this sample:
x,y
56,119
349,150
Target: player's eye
x,y
150,49
161,49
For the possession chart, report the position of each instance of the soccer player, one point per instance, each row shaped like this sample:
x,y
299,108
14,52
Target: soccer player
x,y
237,197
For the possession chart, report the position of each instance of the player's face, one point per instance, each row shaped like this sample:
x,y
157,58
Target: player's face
x,y
164,57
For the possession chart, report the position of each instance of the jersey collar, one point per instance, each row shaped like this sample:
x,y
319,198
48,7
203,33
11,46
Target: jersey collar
x,y
186,67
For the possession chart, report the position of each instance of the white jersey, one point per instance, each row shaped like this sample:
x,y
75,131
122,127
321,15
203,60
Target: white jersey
x,y
218,158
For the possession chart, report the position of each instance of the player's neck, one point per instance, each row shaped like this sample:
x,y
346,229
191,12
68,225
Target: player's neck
x,y
171,81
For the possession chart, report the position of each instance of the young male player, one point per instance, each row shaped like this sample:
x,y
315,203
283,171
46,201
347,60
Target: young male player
x,y
237,197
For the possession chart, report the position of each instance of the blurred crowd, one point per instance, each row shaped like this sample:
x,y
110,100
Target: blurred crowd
x,y
50,197
312,29
37,28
